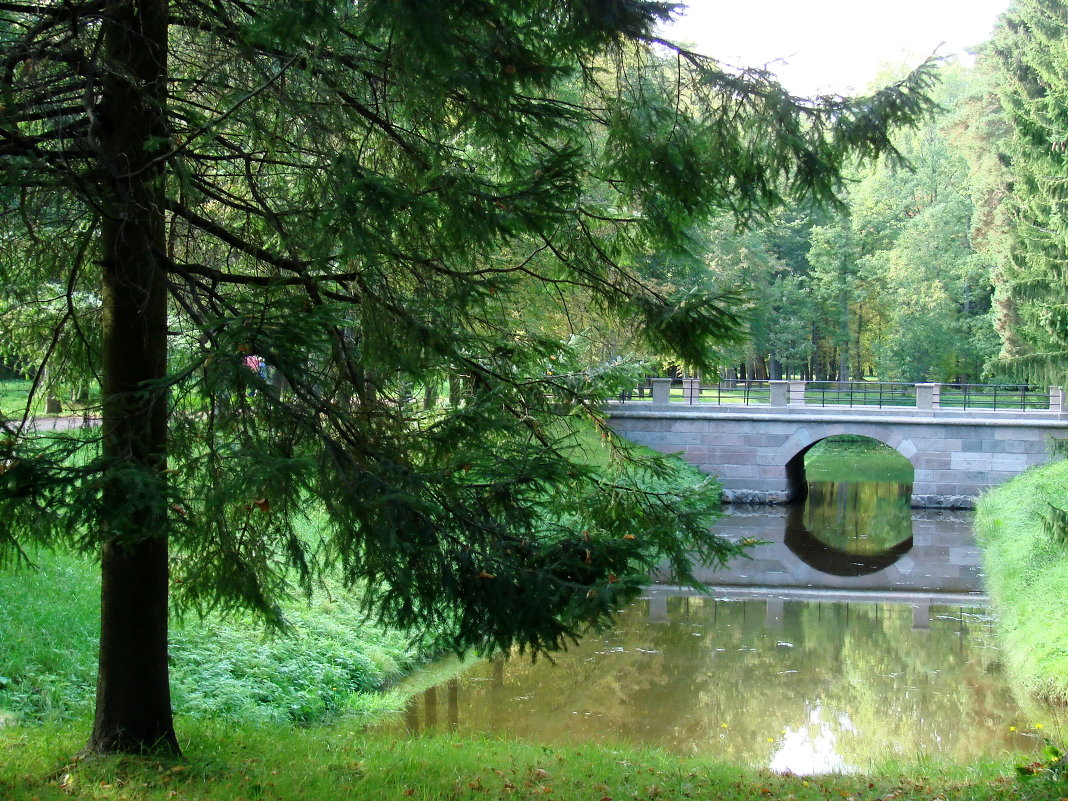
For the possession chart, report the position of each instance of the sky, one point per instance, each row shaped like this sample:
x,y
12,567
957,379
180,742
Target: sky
x,y
833,46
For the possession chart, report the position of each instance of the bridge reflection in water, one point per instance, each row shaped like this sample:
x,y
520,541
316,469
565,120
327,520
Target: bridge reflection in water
x,y
928,551
831,648
808,686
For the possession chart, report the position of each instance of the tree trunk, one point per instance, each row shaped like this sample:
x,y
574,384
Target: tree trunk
x,y
456,390
774,367
53,405
430,394
133,707
859,356
843,337
133,704
814,355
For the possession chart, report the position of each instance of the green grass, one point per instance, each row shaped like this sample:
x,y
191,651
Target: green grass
x,y
14,393
340,763
853,458
48,637
333,663
1027,577
13,397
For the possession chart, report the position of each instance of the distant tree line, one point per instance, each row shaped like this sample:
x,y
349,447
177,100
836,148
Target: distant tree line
x,y
950,269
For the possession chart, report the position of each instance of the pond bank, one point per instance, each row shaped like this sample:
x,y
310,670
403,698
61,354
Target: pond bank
x,y
335,763
1027,577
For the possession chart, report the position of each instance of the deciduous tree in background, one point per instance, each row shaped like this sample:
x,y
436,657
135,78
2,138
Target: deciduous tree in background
x,y
897,282
357,193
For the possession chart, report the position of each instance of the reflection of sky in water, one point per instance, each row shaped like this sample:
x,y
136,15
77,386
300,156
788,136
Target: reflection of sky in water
x,y
811,748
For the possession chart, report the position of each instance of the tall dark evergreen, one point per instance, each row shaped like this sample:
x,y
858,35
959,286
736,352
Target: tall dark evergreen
x,y
369,198
1028,49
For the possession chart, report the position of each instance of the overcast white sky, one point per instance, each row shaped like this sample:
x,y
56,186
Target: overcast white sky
x,y
833,45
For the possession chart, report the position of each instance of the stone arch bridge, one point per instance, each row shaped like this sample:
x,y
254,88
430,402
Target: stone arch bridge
x,y
757,449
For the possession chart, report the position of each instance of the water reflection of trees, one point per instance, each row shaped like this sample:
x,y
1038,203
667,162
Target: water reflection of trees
x,y
712,678
816,553
862,517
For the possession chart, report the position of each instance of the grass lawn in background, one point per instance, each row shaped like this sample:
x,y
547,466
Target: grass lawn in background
x,y
854,458
13,397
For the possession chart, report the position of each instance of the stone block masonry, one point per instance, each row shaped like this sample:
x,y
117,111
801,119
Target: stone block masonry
x,y
758,451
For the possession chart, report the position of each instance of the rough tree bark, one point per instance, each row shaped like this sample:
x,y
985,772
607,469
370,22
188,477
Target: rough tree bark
x,y
133,708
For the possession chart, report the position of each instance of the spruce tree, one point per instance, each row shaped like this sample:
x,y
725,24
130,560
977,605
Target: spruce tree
x,y
1029,55
367,197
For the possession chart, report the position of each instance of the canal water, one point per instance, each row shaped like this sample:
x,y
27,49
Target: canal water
x,y
856,632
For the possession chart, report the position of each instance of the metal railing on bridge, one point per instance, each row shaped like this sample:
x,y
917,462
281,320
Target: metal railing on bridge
x,y
867,394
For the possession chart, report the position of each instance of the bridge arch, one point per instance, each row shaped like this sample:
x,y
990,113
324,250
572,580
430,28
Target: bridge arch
x,y
804,440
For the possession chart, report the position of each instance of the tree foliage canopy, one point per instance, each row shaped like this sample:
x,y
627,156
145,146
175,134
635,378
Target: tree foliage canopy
x,y
894,283
370,197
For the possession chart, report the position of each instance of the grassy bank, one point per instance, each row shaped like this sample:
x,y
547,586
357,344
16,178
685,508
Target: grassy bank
x,y
226,669
339,763
1027,577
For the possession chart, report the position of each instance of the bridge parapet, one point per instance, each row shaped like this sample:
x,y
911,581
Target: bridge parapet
x,y
859,396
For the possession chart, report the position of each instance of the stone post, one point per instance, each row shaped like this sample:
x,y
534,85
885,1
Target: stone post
x,y
774,613
1056,400
921,616
797,393
691,390
780,393
658,611
661,390
928,396
430,707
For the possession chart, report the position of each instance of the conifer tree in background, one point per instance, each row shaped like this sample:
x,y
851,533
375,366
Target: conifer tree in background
x,y
1030,56
358,194
1028,50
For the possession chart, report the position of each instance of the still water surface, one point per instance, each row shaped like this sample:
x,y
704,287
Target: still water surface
x,y
856,633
